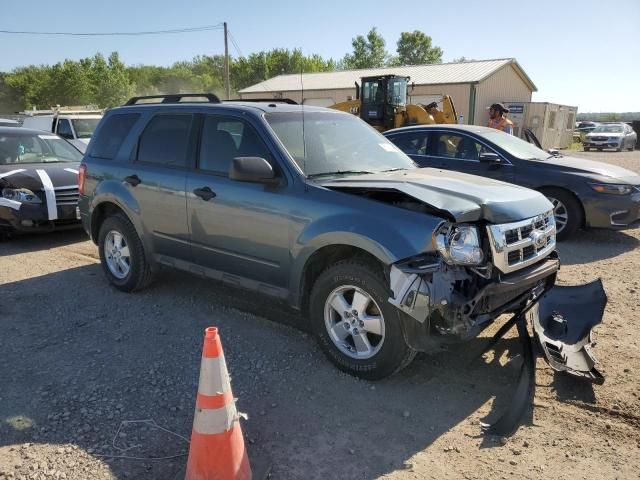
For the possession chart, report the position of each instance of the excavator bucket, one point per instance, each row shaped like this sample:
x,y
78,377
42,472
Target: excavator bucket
x,y
565,317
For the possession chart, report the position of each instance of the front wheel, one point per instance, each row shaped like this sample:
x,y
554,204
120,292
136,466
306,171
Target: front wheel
x,y
122,254
357,328
566,210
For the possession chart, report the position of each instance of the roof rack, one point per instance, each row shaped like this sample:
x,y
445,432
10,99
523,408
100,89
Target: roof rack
x,y
173,98
265,100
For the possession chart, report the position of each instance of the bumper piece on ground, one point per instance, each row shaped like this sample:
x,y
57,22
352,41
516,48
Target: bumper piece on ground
x,y
566,316
562,318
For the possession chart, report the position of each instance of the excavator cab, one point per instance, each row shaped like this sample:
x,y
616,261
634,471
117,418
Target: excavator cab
x,y
381,97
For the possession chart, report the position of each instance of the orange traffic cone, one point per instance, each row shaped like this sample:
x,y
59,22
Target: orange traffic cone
x,y
217,449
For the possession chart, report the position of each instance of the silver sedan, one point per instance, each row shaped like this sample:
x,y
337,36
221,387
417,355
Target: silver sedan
x,y
618,136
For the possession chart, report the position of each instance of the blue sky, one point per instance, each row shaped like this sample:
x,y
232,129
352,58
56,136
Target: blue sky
x,y
582,53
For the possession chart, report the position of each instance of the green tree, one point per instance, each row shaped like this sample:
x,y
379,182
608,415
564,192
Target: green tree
x,y
368,52
416,48
462,59
109,80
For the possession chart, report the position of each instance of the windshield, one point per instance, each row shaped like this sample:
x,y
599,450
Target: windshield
x,y
30,148
608,129
84,127
335,143
515,146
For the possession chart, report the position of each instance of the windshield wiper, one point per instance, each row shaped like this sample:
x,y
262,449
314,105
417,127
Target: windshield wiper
x,y
339,172
394,169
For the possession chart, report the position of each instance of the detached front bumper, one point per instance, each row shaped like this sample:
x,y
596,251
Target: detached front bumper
x,y
34,218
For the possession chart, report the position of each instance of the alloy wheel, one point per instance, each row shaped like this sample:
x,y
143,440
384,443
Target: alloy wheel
x,y
354,322
116,254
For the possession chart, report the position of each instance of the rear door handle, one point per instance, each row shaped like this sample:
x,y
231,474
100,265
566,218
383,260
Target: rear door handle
x,y
205,193
133,180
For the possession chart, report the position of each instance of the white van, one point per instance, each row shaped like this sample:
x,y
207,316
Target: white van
x,y
76,126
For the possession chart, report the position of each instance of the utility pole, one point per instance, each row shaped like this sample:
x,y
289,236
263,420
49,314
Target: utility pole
x,y
226,62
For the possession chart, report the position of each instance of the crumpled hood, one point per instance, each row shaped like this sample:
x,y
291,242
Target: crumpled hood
x,y
601,169
466,198
25,175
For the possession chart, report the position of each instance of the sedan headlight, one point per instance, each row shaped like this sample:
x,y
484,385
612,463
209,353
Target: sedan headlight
x,y
459,244
613,189
22,195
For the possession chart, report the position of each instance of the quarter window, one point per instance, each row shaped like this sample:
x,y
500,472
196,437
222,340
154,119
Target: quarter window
x,y
64,128
165,140
224,139
111,135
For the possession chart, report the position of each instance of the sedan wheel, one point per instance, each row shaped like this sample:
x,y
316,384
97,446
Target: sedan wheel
x,y
567,211
560,213
354,322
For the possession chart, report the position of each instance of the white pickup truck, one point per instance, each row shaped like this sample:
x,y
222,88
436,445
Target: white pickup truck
x,y
76,125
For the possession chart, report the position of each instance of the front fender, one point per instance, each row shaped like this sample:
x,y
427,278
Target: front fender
x,y
407,234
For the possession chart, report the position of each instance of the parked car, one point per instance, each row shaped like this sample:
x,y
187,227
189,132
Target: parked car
x,y
74,126
384,258
8,122
584,193
38,181
617,136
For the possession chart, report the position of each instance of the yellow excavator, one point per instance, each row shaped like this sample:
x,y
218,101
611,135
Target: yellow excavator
x,y
381,101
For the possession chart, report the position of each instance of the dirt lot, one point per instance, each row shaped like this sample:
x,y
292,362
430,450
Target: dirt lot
x,y
79,358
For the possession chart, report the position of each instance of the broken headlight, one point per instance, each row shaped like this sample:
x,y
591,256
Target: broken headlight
x,y
21,195
459,244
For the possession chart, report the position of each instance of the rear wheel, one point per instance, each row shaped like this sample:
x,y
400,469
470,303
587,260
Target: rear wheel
x,y
357,328
122,254
566,210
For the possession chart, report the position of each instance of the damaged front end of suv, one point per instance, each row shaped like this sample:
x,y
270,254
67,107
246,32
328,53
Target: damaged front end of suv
x,y
483,271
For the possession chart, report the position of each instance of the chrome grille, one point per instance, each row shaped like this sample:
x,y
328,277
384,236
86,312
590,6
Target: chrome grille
x,y
520,244
67,195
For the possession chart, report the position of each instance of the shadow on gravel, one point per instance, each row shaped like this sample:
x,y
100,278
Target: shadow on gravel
x,y
593,245
42,241
79,358
571,389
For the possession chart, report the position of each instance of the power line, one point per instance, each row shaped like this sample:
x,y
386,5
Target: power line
x,y
204,28
264,83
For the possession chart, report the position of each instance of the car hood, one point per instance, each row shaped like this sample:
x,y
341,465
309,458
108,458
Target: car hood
x,y
465,198
593,168
30,175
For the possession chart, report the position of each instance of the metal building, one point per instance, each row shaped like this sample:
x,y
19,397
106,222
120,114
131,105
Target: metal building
x,y
473,85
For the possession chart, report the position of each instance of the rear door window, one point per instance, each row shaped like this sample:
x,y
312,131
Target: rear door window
x,y
111,135
411,143
225,138
165,140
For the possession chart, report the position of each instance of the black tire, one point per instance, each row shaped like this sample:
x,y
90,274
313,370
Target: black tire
x,y
575,215
140,274
599,149
586,149
394,354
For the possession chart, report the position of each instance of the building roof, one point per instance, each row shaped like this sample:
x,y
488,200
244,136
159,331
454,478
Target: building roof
x,y
440,73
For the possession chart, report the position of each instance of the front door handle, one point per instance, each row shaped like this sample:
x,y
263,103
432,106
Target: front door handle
x,y
205,193
133,180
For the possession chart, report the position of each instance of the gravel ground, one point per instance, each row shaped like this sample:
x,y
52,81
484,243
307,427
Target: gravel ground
x,y
79,359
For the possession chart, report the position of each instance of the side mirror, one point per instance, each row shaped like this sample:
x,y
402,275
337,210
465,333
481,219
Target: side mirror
x,y
554,151
489,157
252,169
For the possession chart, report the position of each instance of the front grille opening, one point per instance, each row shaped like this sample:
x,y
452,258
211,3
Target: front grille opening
x,y
511,236
528,252
514,257
554,352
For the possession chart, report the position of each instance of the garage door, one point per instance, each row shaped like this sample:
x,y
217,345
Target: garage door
x,y
319,102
